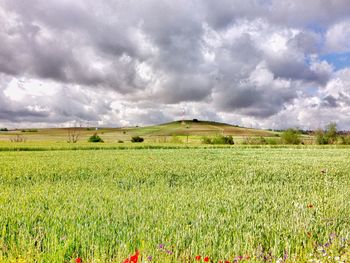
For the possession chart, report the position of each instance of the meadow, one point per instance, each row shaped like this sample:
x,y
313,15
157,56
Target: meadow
x,y
173,204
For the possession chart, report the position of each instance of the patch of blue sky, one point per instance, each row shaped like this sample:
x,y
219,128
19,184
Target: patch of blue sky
x,y
338,60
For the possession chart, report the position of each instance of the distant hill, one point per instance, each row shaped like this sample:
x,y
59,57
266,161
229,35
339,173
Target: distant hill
x,y
199,128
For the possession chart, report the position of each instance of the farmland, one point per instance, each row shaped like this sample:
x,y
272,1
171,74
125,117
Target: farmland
x,y
172,204
187,131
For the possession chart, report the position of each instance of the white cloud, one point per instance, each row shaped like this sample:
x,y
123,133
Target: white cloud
x,y
124,63
338,37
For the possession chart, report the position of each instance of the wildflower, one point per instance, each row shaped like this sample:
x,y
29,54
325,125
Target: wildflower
x,y
310,206
206,259
198,258
78,260
169,252
161,246
149,258
133,259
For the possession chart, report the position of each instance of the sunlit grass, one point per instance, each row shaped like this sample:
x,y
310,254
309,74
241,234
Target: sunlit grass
x,y
221,203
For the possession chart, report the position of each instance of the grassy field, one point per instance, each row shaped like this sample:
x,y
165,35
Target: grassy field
x,y
173,204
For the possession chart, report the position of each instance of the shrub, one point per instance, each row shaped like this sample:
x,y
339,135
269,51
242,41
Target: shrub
x,y
120,141
95,138
331,133
218,140
321,137
206,140
329,136
291,136
30,130
137,139
272,141
345,139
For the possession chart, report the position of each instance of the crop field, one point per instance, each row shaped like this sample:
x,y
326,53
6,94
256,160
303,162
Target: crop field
x,y
235,204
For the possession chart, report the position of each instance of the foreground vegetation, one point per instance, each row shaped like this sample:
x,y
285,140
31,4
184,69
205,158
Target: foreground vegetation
x,y
243,203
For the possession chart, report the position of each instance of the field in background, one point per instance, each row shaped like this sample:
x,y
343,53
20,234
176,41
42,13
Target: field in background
x,y
178,132
265,204
188,132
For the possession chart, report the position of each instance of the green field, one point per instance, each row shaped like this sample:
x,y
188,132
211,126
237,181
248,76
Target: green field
x,y
265,204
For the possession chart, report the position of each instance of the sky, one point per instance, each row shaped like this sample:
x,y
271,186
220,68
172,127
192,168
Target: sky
x,y
256,63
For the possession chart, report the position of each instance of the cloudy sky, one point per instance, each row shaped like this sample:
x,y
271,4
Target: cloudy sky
x,y
257,63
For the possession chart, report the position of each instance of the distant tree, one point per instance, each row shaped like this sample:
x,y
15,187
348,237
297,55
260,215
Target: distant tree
x,y
95,138
137,139
291,136
4,129
195,120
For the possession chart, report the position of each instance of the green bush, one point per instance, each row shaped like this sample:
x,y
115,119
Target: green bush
x,y
137,139
329,136
321,137
272,141
29,130
95,138
291,136
218,140
206,140
345,139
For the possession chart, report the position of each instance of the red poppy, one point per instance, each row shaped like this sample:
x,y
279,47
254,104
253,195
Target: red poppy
x,y
198,258
133,259
78,260
206,259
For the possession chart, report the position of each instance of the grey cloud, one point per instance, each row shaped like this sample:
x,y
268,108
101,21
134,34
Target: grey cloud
x,y
249,100
330,101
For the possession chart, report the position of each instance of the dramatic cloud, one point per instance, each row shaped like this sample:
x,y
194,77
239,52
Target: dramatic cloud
x,y
254,62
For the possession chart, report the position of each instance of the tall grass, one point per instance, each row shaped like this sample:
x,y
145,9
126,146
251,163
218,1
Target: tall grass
x,y
223,202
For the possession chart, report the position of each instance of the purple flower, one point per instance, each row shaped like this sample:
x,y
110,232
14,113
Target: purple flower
x,y
149,258
327,245
169,252
161,246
